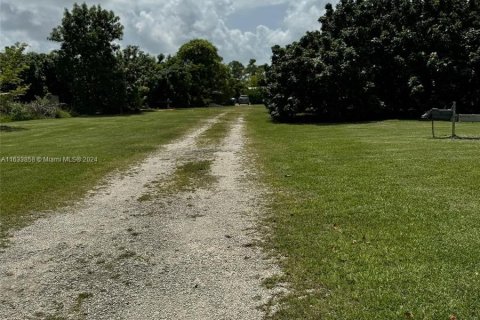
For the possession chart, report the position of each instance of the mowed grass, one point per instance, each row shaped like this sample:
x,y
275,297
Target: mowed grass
x,y
375,220
115,142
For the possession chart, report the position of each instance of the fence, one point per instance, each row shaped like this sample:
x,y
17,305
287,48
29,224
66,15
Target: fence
x,y
450,115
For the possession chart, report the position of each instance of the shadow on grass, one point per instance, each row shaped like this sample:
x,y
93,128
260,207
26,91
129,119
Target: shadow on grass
x,y
123,115
456,138
129,114
11,129
468,138
308,119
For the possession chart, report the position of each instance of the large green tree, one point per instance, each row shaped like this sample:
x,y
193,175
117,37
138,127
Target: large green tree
x,y
380,59
172,84
87,62
194,77
209,77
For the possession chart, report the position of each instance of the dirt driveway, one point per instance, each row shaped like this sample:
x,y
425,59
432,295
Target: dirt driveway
x,y
149,243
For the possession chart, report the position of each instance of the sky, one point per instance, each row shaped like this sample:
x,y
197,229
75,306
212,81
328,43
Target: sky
x,y
240,29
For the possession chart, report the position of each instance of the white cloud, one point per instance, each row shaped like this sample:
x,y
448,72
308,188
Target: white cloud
x,y
303,15
163,26
251,4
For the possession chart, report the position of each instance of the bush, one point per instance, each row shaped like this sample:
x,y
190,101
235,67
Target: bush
x,y
20,112
40,108
256,95
62,114
45,107
5,118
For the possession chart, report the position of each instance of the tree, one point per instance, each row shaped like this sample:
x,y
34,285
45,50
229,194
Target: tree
x,y
251,68
12,64
208,75
171,87
380,59
248,80
237,70
41,75
139,75
87,62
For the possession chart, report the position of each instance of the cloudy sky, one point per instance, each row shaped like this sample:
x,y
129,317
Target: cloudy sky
x,y
241,29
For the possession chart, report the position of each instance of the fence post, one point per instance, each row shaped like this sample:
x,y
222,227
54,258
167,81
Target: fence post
x,y
433,127
454,116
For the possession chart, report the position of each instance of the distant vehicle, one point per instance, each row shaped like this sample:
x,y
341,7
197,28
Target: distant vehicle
x,y
244,99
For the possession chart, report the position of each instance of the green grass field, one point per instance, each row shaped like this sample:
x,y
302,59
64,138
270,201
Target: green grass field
x,y
115,142
375,220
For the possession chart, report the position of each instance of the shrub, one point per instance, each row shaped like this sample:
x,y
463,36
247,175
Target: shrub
x,y
5,118
62,114
40,108
20,112
44,107
256,95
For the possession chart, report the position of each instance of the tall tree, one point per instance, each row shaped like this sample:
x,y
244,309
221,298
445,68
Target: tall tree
x,y
12,64
377,59
87,59
208,74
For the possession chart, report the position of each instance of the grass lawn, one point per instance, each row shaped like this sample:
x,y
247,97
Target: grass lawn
x,y
375,220
115,142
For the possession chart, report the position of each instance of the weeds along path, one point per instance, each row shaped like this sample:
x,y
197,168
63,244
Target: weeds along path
x,y
171,238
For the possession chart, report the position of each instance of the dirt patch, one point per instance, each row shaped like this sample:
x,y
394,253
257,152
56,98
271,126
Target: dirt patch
x,y
180,255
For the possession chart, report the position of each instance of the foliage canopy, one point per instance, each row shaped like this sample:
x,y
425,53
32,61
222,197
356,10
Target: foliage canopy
x,y
87,62
380,59
12,64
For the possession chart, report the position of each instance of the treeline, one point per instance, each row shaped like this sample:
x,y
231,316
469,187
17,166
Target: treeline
x,y
380,59
91,74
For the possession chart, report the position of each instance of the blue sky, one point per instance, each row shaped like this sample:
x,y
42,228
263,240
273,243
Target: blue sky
x,y
241,29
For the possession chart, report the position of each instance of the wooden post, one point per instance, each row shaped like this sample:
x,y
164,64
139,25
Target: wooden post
x,y
433,128
454,116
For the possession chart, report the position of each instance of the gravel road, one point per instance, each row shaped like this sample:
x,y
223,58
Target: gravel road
x,y
127,251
